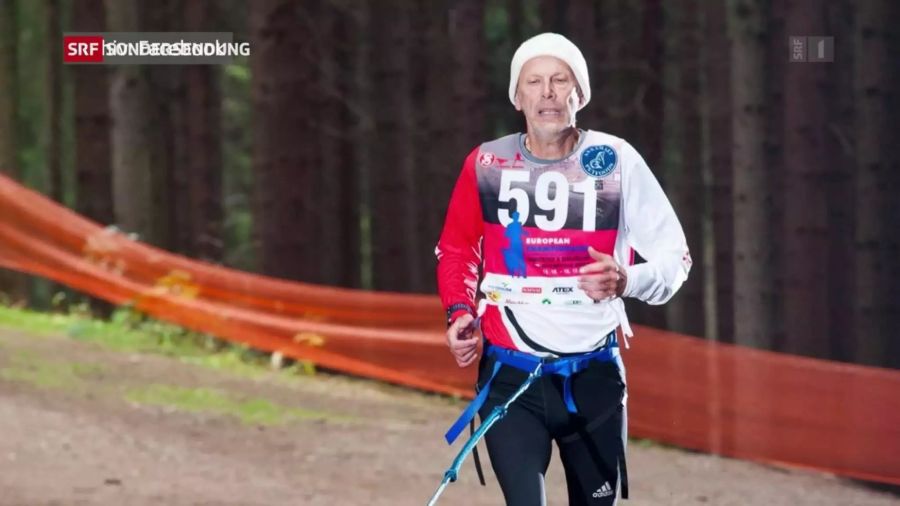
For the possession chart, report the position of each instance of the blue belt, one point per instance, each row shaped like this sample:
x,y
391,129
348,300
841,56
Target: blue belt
x,y
563,366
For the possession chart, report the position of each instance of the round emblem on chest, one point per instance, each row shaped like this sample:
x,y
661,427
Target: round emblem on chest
x,y
599,161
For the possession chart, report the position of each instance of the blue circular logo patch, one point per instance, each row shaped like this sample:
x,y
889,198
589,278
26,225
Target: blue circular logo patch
x,y
599,161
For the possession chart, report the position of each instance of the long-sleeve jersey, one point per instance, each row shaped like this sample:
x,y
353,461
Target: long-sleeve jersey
x,y
527,224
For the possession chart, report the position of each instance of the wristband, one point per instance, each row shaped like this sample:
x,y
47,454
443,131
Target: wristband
x,y
458,307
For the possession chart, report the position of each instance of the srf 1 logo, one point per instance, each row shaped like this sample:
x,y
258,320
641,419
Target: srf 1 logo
x,y
82,49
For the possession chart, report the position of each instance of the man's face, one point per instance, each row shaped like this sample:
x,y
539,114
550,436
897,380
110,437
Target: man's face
x,y
547,95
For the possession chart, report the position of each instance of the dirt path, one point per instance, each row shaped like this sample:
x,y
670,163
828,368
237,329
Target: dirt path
x,y
83,425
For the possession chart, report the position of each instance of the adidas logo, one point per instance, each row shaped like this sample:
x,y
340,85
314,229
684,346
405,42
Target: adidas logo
x,y
604,491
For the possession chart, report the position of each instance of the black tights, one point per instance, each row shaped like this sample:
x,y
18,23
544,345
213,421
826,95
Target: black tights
x,y
590,442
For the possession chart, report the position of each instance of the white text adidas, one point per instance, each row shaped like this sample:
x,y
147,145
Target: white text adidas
x,y
604,491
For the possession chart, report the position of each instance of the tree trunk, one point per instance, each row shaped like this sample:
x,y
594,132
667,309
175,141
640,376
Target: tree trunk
x,y
684,313
877,301
470,89
516,13
754,298
579,18
452,35
53,89
893,159
398,262
170,179
135,151
438,166
350,211
173,211
94,197
336,223
93,149
363,129
839,177
805,227
719,286
775,164
9,164
553,15
648,105
620,76
502,116
650,110
203,125
284,143
13,286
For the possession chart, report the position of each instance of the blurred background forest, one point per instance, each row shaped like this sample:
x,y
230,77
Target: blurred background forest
x,y
328,155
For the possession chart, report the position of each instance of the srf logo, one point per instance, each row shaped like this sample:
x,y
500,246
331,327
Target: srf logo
x,y
82,49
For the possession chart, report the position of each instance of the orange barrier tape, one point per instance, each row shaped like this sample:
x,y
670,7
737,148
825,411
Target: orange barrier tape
x,y
684,391
140,262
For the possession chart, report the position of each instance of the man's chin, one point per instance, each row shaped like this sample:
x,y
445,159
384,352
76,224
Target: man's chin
x,y
549,128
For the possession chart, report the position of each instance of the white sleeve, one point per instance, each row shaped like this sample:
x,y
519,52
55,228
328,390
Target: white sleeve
x,y
652,229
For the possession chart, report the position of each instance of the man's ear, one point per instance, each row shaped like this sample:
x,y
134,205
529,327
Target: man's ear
x,y
518,103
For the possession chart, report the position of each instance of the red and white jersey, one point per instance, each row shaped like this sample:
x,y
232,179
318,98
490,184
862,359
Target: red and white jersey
x,y
528,222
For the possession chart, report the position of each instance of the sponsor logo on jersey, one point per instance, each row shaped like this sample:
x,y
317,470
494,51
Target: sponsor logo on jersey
x,y
502,287
599,161
562,289
548,240
532,289
494,296
488,159
546,301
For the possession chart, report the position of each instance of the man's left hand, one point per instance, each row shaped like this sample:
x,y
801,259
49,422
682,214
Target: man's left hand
x,y
602,279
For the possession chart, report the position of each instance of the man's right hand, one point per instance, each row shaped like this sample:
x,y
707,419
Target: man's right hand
x,y
462,340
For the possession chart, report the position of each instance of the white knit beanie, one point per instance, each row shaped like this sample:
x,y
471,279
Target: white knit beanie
x,y
551,44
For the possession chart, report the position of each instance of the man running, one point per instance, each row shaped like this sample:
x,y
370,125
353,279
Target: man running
x,y
552,217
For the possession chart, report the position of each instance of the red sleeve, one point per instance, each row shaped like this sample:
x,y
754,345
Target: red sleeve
x,y
459,249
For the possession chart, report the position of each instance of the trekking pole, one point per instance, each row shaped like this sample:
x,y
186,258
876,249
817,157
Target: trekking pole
x,y
496,414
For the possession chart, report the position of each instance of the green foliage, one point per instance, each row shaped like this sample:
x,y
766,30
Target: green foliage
x,y
25,367
250,411
130,331
237,140
32,62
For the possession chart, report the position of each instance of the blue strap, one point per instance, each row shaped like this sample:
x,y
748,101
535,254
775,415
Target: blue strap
x,y
517,359
473,407
567,395
569,366
565,367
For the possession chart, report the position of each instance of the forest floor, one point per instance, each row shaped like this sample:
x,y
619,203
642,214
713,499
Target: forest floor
x,y
83,423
